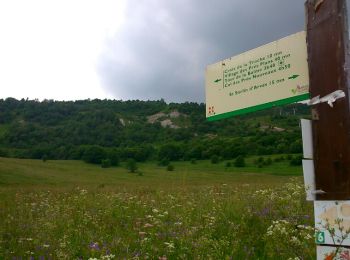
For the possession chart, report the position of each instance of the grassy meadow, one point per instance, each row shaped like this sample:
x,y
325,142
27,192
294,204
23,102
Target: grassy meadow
x,y
74,210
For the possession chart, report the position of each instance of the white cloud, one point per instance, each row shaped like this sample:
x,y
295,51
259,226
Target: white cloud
x,y
48,49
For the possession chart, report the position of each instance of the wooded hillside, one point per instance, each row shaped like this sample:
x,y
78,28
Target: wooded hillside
x,y
143,130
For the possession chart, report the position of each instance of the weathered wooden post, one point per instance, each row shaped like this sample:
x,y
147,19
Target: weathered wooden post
x,y
328,50
328,59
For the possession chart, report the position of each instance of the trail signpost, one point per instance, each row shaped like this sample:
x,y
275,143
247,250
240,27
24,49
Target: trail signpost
x,y
273,74
312,64
328,55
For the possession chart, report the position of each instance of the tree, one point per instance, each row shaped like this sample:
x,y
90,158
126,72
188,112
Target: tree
x,y
239,162
94,154
296,161
113,156
172,152
215,159
131,165
106,163
164,162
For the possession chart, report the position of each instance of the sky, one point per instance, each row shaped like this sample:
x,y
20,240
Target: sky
x,y
130,49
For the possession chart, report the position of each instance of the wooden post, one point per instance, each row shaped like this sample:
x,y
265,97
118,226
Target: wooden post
x,y
328,50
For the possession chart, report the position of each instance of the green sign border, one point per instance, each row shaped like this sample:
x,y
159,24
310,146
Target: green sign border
x,y
260,107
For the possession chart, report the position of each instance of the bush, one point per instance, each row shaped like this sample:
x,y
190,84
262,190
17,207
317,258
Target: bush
x,y
113,156
106,163
268,161
228,164
215,159
239,162
296,161
170,167
44,158
164,162
3,153
261,159
193,161
131,165
94,154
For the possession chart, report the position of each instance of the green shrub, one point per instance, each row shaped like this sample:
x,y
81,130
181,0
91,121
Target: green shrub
x,y
215,159
193,161
170,167
106,163
131,165
164,162
94,154
296,161
239,162
261,159
44,158
113,156
268,161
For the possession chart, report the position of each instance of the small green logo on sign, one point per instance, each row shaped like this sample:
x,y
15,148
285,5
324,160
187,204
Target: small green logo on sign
x,y
320,237
217,80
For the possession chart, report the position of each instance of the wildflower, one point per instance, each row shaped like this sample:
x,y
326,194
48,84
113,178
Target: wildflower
x,y
170,245
148,225
294,240
308,237
94,246
46,246
155,210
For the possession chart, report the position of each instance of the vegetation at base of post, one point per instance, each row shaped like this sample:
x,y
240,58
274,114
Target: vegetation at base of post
x,y
71,210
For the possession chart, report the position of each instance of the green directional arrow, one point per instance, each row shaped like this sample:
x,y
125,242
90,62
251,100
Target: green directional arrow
x,y
217,80
293,77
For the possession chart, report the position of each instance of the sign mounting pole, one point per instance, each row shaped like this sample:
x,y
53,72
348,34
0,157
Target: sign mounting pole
x,y
328,59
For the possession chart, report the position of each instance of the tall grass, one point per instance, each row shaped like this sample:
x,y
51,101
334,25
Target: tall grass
x,y
180,218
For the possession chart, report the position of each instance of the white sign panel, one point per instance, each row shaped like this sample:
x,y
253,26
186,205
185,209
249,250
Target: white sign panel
x,y
309,179
332,215
306,131
273,74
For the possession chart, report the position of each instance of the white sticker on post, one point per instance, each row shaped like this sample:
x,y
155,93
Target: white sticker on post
x,y
306,131
309,179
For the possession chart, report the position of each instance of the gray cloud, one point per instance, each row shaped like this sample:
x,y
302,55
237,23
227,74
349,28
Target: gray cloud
x,y
164,46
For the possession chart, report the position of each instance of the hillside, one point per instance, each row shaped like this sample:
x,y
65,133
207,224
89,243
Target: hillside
x,y
143,130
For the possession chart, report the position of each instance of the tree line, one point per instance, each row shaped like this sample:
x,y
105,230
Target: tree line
x,y
112,130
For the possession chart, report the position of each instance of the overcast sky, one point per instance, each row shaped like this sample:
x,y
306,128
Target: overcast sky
x,y
130,49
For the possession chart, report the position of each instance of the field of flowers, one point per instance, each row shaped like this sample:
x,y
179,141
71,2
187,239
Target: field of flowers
x,y
213,221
